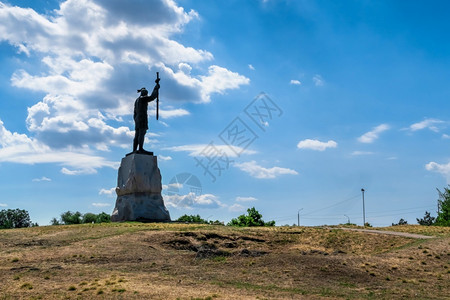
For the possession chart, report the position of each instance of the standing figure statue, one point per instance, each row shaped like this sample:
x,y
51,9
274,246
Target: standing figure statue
x,y
141,119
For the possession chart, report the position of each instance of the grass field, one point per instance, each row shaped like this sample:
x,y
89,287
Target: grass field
x,y
178,261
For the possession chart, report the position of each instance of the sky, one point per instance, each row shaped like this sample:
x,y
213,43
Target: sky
x,y
291,107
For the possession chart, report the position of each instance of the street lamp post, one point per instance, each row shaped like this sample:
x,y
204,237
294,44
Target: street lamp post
x,y
348,219
298,216
364,209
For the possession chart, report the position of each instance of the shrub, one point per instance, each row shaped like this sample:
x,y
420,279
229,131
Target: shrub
x,y
69,218
254,218
55,221
14,218
103,218
427,220
89,218
192,219
400,222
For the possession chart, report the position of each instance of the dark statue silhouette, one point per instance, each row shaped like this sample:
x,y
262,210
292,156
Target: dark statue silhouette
x,y
141,118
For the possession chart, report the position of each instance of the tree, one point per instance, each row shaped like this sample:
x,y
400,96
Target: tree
x,y
69,218
55,221
103,218
427,220
89,218
254,218
443,217
14,218
400,222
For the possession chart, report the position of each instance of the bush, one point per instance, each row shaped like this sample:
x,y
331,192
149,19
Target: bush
x,y
427,220
89,218
192,219
14,218
401,222
69,218
103,218
254,218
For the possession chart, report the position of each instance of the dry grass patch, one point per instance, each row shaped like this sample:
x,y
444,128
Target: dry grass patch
x,y
170,261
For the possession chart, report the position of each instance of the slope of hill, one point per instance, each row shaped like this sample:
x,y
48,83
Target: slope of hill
x,y
170,261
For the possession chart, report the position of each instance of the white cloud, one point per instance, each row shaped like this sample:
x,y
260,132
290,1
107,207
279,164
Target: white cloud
x,y
236,208
251,67
88,49
371,136
258,171
197,149
108,192
245,199
446,136
43,178
430,124
318,80
19,148
219,80
169,113
295,82
357,153
192,200
316,144
101,204
163,157
444,170
3,205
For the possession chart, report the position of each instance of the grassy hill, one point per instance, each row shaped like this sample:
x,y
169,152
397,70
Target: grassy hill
x,y
170,261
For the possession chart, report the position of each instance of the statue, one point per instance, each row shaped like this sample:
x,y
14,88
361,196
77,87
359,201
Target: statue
x,y
140,116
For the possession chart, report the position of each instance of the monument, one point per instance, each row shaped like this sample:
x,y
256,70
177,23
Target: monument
x,y
139,179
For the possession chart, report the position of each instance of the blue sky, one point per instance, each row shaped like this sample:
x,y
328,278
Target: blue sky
x,y
359,92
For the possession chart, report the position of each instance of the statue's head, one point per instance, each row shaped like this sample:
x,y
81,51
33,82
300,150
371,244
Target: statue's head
x,y
143,91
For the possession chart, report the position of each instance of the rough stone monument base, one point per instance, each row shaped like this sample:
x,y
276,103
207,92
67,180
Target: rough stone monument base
x,y
139,191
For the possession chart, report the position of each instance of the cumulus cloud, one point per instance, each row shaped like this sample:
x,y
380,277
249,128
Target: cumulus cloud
x,y
245,199
318,80
443,169
19,148
3,205
94,54
163,157
41,179
191,200
257,171
236,208
431,124
108,192
371,136
295,82
316,144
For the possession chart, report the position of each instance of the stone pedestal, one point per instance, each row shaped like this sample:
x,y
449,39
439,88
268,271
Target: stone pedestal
x,y
139,191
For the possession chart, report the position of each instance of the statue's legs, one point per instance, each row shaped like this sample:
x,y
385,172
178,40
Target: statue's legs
x,y
136,140
141,138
